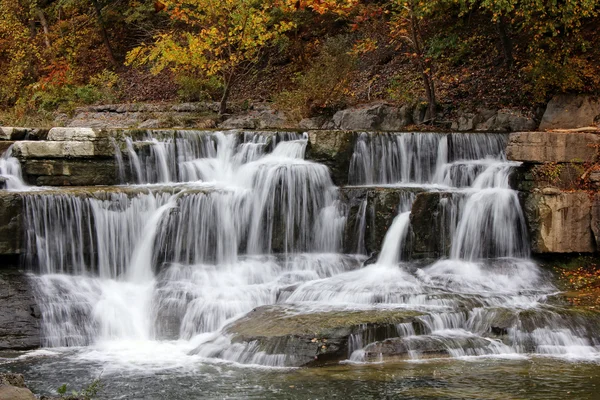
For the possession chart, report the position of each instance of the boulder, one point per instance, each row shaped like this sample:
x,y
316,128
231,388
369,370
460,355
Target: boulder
x,y
19,314
15,393
314,338
373,117
560,223
571,111
506,121
334,149
257,119
559,147
12,387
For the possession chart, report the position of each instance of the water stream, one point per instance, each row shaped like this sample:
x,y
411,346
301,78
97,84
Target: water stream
x,y
135,284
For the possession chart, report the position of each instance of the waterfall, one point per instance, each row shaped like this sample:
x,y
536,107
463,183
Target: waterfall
x,y
242,220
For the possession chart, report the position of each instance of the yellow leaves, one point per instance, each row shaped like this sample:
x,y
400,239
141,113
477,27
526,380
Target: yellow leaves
x,y
232,32
363,46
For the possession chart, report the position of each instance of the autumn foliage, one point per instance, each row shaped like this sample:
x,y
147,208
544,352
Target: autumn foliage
x,y
54,54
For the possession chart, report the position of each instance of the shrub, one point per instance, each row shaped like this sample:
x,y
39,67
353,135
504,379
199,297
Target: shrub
x,y
192,88
325,84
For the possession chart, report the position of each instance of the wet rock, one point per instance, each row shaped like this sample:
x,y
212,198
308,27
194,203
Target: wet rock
x,y
333,149
560,147
431,221
380,210
11,212
313,338
373,117
19,314
405,348
571,111
560,223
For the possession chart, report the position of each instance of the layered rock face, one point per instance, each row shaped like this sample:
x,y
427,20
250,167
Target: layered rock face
x,y
559,188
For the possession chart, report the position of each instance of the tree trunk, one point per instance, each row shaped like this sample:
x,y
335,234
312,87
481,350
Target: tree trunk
x,y
503,31
425,65
103,33
44,23
224,98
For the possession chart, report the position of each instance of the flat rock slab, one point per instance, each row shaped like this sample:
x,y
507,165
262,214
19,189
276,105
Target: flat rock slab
x,y
66,149
560,147
317,337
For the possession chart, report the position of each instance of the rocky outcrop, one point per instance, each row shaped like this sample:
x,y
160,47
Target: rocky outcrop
x,y
557,147
561,216
314,338
333,149
561,222
571,111
19,314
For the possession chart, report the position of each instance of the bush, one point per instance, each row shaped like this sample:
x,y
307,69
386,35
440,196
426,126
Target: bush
x,y
65,96
193,88
325,84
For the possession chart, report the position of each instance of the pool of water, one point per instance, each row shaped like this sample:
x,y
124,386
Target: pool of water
x,y
468,378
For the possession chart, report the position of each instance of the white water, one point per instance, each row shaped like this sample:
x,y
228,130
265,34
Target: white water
x,y
10,170
258,225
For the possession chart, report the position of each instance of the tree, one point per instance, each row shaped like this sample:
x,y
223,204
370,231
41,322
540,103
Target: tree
x,y
406,25
223,38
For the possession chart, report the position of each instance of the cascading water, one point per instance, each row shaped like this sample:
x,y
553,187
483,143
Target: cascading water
x,y
242,220
10,171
